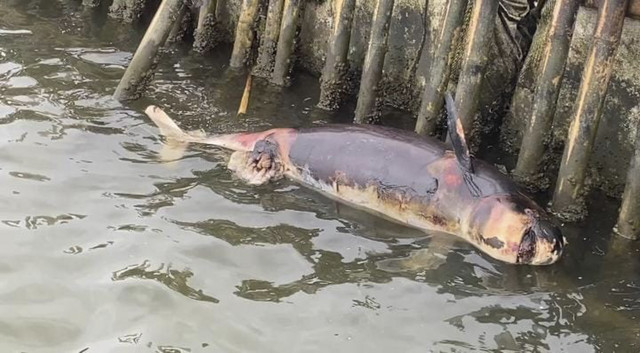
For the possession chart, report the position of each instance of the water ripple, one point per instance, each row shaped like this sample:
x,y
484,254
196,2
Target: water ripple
x,y
173,279
29,176
35,222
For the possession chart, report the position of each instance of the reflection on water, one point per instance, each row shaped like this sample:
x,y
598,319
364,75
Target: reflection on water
x,y
106,248
173,279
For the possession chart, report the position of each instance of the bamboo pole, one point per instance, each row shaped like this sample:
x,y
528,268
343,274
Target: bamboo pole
x,y
178,30
628,224
568,196
522,99
244,102
549,80
479,35
140,69
373,63
332,82
269,40
433,96
205,37
286,42
633,10
244,33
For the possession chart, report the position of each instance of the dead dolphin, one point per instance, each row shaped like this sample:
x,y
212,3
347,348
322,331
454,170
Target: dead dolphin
x,y
403,176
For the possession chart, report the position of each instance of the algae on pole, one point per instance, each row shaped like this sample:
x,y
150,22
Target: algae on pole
x,y
91,3
628,224
568,198
244,33
332,82
140,69
433,96
547,89
367,108
269,41
206,35
286,42
475,60
127,10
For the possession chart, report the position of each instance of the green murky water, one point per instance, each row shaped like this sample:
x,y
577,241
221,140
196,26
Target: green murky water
x,y
105,249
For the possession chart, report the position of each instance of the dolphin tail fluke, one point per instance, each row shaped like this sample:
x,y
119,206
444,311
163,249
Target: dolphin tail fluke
x,y
176,141
167,126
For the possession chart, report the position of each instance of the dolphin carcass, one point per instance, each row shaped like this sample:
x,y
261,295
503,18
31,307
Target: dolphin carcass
x,y
408,178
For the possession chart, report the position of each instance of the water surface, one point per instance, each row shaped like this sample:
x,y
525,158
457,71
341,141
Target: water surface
x,y
104,248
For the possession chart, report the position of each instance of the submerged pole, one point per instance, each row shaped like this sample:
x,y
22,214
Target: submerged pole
x,y
568,196
433,96
332,82
244,33
286,42
205,36
269,40
374,60
554,58
475,58
628,224
140,68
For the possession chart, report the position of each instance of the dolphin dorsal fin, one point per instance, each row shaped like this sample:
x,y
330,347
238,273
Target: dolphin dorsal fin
x,y
456,134
459,143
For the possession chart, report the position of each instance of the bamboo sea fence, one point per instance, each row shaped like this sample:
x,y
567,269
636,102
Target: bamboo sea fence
x,y
268,51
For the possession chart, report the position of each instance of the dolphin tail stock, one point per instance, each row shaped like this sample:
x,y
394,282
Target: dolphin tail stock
x,y
178,139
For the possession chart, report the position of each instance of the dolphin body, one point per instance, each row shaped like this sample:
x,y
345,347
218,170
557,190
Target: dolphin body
x,y
410,179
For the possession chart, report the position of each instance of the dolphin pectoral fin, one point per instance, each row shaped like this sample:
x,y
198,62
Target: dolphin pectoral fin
x,y
456,133
424,259
460,147
419,260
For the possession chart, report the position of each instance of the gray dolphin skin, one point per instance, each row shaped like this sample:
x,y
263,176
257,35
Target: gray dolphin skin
x,y
405,177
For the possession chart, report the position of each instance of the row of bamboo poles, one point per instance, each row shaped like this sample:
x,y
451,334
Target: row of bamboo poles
x,y
275,61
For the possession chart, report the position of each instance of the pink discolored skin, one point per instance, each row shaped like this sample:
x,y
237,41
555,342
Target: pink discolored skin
x,y
402,176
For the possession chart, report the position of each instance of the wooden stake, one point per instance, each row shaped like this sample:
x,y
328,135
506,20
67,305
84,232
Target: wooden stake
x,y
522,98
332,82
205,37
366,110
244,103
178,29
547,89
475,58
433,96
286,42
140,69
244,33
269,41
479,34
568,197
628,224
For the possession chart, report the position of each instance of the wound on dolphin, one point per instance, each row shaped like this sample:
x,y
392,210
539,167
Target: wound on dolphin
x,y
400,175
